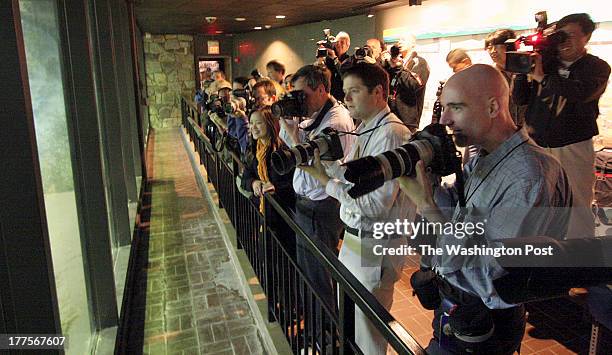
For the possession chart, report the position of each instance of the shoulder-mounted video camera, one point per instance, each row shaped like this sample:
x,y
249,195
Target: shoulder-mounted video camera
x,y
545,41
327,43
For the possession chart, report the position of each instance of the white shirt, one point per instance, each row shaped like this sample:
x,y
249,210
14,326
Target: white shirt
x,y
338,118
387,203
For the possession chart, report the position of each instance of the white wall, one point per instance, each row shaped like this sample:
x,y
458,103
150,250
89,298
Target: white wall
x,y
294,46
479,17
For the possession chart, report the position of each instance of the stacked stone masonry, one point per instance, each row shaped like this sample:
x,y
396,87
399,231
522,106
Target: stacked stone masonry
x,y
170,73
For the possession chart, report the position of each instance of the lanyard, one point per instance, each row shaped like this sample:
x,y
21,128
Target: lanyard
x,y
378,125
489,173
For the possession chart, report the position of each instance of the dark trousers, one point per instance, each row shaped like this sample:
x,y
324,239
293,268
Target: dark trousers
x,y
509,330
320,220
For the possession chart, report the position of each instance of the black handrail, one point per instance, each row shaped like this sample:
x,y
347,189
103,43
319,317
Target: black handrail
x,y
258,239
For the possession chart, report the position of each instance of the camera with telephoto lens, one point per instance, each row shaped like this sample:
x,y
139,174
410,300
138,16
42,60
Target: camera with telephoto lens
x,y
293,104
394,51
433,145
362,52
215,105
545,41
327,43
248,97
234,105
328,143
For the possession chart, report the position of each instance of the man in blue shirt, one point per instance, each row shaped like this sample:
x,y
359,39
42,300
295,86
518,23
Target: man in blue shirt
x,y
514,186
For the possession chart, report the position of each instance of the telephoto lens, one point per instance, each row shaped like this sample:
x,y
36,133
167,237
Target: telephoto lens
x,y
293,104
328,143
433,145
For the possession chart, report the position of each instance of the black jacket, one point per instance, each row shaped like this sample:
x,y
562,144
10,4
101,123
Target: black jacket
x,y
566,109
283,184
334,66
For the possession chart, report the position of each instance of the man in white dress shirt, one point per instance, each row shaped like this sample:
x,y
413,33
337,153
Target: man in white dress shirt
x,y
366,87
316,213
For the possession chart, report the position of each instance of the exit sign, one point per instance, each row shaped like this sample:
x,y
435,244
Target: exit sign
x,y
213,47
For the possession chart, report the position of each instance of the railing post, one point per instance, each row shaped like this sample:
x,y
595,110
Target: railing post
x,y
346,322
268,261
235,193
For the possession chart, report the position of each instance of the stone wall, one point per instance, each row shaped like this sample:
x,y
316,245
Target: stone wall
x,y
170,70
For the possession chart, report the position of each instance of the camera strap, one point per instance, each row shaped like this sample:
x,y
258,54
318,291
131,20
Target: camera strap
x,y
324,110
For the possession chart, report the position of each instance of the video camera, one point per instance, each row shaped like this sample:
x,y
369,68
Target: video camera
x,y
433,145
293,104
328,143
545,41
327,43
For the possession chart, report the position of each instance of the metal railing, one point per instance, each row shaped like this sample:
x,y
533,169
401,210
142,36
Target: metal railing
x,y
293,301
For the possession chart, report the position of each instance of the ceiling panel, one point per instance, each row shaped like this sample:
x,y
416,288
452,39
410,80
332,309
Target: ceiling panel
x,y
188,16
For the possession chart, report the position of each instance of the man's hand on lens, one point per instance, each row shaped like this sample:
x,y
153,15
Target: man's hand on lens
x,y
418,188
538,69
316,170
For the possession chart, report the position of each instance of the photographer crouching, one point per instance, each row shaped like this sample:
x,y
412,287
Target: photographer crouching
x,y
516,186
366,87
562,111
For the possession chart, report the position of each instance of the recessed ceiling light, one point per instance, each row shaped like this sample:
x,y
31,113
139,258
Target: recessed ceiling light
x,y
370,15
280,16
240,19
267,26
257,28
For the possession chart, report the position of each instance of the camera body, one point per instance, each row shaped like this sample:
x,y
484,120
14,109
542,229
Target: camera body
x,y
545,41
293,104
433,145
256,74
394,51
328,143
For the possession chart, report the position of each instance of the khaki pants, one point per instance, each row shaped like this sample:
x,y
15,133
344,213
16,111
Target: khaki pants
x,y
379,279
578,161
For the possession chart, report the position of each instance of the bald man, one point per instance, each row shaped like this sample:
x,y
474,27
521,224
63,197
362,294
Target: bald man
x,y
511,187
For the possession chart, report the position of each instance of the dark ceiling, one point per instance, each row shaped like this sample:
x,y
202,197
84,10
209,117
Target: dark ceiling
x,y
189,16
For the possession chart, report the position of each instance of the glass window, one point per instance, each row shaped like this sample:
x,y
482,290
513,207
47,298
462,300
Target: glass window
x,y
41,38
